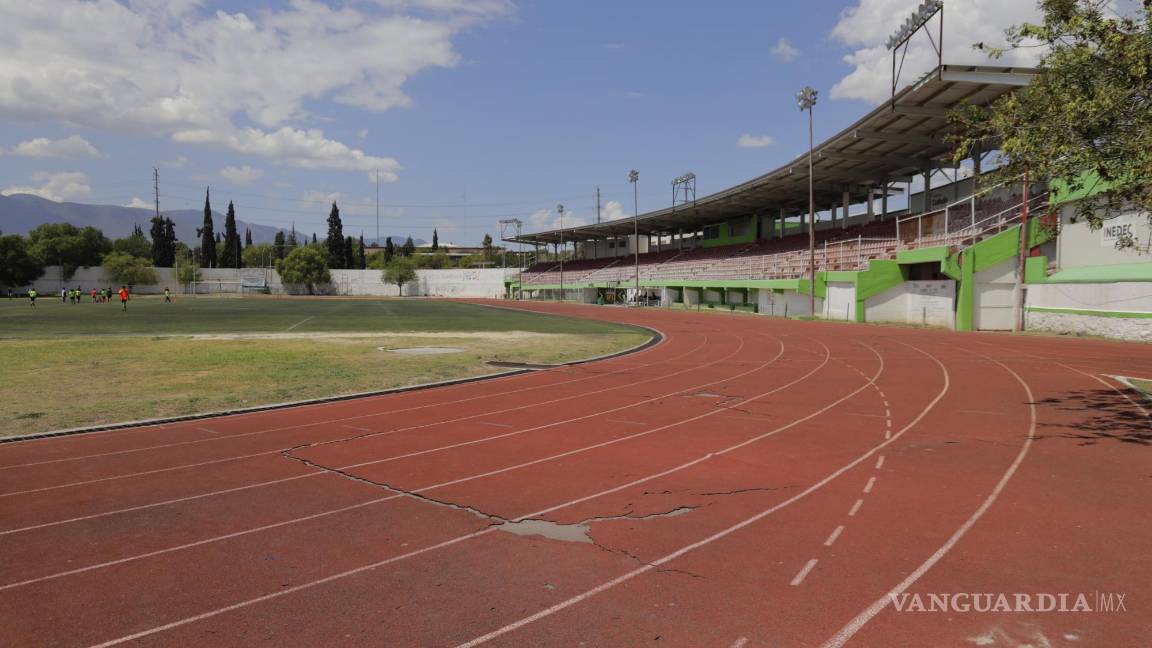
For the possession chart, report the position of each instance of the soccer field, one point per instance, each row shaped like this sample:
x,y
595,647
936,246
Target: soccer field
x,y
70,365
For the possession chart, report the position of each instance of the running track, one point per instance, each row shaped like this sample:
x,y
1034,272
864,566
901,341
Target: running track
x,y
746,482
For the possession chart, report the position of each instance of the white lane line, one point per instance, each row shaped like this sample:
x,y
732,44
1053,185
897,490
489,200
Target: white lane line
x,y
852,627
316,406
626,422
869,485
320,472
740,643
306,319
357,428
204,429
799,578
415,427
887,413
887,434
490,423
880,462
835,534
888,423
490,529
855,508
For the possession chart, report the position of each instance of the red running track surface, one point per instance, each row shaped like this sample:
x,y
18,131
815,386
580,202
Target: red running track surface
x,y
746,482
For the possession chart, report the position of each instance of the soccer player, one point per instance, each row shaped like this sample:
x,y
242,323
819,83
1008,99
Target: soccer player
x,y
124,298
167,295
32,294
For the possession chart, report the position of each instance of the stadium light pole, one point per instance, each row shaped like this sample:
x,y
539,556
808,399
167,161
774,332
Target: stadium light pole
x,y
634,178
560,210
806,99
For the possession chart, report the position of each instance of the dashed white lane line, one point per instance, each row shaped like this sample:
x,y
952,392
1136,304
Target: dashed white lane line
x,y
835,534
803,572
880,462
740,643
869,485
855,507
887,434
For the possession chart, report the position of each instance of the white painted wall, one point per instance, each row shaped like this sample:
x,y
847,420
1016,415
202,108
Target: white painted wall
x,y
1132,297
788,302
992,295
915,302
840,301
1079,246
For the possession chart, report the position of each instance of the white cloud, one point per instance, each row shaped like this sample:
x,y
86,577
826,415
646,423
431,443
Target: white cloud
x,y
784,50
243,175
306,149
139,203
179,162
867,26
613,210
362,133
72,147
548,219
55,186
162,68
748,140
322,198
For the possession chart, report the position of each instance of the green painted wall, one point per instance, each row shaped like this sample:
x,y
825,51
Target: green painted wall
x,y
726,237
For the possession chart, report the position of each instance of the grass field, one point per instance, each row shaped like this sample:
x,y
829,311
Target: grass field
x,y
74,365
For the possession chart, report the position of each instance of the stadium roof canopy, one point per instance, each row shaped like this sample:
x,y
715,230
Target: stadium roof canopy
x,y
903,136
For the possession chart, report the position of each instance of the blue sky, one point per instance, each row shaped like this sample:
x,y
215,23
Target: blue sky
x,y
476,110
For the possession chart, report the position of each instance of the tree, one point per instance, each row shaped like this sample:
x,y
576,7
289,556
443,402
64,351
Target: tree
x,y
438,260
229,254
409,247
123,268
487,245
163,233
134,245
361,257
291,242
187,270
389,250
313,238
435,240
68,246
400,271
259,255
350,253
18,266
1086,118
278,244
306,266
207,235
337,254
247,236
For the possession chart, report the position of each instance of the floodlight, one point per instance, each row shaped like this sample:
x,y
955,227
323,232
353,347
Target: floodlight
x,y
633,175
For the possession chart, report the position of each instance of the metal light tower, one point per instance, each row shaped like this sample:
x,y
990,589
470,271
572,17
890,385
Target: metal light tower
x,y
806,99
515,224
560,210
634,178
898,41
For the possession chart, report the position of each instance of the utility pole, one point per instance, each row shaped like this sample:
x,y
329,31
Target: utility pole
x,y
806,99
634,178
560,211
156,187
1021,289
377,207
597,205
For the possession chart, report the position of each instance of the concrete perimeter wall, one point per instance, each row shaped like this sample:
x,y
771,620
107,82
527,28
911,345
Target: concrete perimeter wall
x,y
931,303
1120,310
486,282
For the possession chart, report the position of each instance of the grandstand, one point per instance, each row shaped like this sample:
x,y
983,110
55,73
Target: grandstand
x,y
747,246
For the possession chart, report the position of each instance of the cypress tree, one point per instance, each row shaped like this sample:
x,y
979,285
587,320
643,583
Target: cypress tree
x,y
350,261
389,249
291,243
278,244
207,236
313,238
409,247
229,255
247,237
337,254
435,240
360,256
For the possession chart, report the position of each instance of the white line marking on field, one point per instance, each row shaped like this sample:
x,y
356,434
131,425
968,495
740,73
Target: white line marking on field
x,y
852,627
204,429
888,423
740,643
803,573
855,507
299,323
500,425
880,462
835,534
887,434
626,422
869,485
887,413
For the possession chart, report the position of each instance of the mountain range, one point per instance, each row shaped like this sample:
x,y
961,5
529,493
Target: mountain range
x,y
21,213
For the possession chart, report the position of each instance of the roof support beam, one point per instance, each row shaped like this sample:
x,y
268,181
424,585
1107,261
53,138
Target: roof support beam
x,y
920,111
1012,78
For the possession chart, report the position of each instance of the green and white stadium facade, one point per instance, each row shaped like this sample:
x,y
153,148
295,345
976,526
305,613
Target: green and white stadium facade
x,y
948,256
